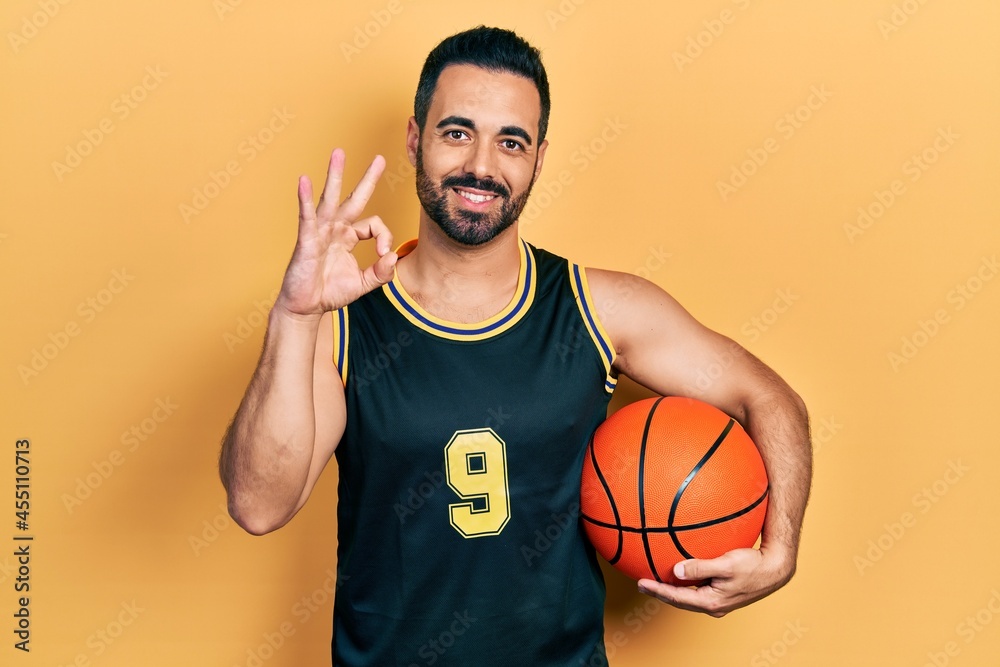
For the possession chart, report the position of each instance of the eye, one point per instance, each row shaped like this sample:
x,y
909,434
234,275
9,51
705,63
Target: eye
x,y
455,135
512,145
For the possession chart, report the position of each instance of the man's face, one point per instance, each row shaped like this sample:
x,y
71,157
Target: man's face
x,y
478,154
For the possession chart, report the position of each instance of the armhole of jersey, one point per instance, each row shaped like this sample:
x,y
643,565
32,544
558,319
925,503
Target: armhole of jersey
x,y
585,303
341,337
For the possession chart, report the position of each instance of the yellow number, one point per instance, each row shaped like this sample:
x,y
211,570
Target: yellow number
x,y
476,464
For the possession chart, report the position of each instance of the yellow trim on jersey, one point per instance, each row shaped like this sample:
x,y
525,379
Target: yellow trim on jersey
x,y
341,338
524,296
600,337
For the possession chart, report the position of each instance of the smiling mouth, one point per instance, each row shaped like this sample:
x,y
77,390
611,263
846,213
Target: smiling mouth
x,y
474,197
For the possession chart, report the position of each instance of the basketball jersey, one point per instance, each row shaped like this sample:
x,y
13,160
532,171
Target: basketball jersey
x,y
459,540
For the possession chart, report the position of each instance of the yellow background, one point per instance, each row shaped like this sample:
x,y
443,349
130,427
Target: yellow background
x,y
180,324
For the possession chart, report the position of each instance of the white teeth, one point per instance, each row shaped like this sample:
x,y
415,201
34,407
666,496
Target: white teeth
x,y
478,199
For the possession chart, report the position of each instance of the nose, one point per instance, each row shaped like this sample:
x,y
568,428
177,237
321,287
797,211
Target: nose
x,y
481,160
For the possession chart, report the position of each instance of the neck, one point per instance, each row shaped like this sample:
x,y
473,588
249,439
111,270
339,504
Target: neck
x,y
457,282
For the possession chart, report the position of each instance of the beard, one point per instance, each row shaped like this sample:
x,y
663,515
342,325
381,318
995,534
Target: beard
x,y
471,228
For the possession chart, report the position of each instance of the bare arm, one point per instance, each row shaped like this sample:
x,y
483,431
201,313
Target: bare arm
x,y
662,347
287,426
293,413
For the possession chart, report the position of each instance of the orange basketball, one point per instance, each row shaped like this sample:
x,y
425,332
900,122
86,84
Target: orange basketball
x,y
667,479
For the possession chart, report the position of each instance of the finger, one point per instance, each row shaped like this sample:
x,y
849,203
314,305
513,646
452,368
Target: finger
x,y
331,191
307,214
698,570
704,599
373,227
355,203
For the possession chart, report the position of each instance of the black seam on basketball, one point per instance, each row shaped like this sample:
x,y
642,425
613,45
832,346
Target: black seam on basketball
x,y
678,529
722,519
642,495
687,480
611,500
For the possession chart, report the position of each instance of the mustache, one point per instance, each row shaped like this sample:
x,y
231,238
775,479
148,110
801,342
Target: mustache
x,y
470,181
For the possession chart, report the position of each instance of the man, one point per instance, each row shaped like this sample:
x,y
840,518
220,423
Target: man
x,y
458,380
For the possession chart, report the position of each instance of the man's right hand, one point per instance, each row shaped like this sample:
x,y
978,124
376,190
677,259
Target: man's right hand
x,y
323,274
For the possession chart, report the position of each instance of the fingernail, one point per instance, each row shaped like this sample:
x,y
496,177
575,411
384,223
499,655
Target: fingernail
x,y
679,570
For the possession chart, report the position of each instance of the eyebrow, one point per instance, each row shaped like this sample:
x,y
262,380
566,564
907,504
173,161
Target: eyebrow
x,y
462,121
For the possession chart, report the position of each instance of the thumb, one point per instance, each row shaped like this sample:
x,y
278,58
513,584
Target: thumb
x,y
696,570
382,270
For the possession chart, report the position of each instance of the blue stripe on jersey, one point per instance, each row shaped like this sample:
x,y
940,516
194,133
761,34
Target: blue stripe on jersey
x,y
515,311
590,318
342,342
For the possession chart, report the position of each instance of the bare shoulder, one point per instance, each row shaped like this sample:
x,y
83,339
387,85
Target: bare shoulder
x,y
661,345
630,306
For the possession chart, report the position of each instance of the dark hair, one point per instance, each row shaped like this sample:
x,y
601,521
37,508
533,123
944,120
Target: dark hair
x,y
493,49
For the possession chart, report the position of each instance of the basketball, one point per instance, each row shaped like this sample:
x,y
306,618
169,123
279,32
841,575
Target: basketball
x,y
667,479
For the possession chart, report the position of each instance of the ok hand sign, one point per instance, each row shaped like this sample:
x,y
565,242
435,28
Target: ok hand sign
x,y
323,275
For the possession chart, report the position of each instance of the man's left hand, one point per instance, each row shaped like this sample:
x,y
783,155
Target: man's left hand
x,y
733,580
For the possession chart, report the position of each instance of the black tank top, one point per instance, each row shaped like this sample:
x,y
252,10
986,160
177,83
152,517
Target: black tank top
x,y
458,519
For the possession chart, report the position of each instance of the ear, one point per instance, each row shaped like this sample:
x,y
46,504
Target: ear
x,y
412,139
540,159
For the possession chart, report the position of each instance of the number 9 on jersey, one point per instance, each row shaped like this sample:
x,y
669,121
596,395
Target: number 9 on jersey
x,y
476,467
